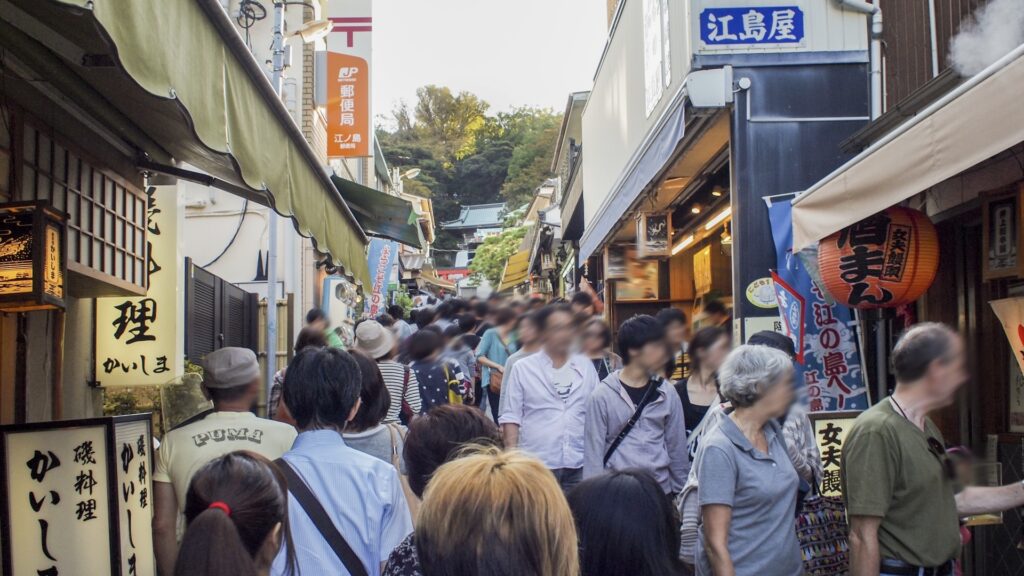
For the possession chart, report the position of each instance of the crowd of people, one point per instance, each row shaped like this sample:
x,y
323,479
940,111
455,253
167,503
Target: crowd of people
x,y
508,438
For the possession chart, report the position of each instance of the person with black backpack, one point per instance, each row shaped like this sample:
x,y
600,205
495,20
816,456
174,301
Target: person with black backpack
x,y
634,417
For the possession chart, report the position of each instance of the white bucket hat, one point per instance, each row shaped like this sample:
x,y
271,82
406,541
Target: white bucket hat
x,y
374,339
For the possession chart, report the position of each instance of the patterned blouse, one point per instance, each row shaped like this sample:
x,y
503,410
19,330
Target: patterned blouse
x,y
439,377
403,560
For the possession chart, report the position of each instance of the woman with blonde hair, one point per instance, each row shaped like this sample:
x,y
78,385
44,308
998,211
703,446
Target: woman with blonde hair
x,y
496,513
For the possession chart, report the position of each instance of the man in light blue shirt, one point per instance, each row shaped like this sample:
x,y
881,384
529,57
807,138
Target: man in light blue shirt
x,y
361,494
545,411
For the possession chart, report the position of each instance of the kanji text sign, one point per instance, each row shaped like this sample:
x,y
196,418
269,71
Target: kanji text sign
x,y
66,507
58,493
140,340
830,432
760,25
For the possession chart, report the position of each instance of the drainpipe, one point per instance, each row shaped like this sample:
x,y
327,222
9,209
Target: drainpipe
x,y
933,33
876,48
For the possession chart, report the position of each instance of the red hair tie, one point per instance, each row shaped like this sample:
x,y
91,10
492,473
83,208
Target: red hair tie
x,y
220,506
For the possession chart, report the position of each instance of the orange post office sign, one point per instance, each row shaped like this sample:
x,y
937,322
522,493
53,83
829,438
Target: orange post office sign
x,y
348,105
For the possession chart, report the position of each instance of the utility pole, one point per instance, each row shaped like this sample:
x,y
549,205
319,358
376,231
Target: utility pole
x,y
277,70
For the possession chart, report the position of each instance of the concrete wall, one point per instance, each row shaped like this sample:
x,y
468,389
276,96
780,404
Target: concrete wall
x,y
616,120
79,399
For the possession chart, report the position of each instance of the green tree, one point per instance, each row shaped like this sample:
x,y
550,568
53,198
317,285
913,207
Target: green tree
x,y
490,258
530,165
467,156
447,120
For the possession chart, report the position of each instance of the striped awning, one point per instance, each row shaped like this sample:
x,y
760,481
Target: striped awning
x,y
174,80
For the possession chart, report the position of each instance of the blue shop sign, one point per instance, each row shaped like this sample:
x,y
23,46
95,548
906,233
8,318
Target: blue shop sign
x,y
752,25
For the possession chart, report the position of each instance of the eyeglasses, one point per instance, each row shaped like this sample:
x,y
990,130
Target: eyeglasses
x,y
939,451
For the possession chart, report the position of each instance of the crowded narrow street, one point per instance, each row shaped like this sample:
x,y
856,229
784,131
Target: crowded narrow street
x,y
533,288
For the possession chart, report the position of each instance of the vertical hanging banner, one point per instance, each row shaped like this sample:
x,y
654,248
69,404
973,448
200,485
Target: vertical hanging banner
x,y
382,260
831,367
1010,312
349,113
141,340
792,307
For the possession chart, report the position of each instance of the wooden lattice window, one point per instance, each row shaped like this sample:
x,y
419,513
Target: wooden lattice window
x,y
106,213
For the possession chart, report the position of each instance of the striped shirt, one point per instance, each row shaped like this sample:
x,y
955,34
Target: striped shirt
x,y
394,375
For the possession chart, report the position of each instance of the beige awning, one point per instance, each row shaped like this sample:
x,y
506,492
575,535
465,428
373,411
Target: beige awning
x,y
979,119
516,271
430,277
174,80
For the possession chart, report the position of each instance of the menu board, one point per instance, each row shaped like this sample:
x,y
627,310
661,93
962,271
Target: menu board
x,y
830,432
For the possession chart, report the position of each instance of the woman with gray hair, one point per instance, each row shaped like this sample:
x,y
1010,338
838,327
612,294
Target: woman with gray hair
x,y
748,486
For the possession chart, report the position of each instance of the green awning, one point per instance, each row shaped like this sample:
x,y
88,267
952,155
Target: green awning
x,y
175,81
381,215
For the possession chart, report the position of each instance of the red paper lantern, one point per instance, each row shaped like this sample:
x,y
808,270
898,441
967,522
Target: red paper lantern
x,y
884,261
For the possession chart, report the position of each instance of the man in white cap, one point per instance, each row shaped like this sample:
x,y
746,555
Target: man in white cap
x,y
231,379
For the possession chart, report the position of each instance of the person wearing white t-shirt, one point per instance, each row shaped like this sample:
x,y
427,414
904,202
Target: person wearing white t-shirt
x,y
545,410
231,379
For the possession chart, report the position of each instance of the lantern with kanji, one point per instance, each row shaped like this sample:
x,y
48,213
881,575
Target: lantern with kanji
x,y
883,261
32,257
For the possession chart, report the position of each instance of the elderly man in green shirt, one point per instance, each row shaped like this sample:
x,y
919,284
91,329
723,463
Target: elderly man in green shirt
x,y
897,481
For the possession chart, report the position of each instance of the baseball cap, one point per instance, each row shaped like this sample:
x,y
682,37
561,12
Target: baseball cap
x,y
230,367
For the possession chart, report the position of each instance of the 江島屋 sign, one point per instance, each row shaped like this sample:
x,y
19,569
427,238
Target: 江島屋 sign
x,y
140,340
752,26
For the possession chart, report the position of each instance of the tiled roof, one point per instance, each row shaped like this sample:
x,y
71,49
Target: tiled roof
x,y
478,216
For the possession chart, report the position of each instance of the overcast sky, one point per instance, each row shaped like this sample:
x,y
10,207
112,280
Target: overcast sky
x,y
508,52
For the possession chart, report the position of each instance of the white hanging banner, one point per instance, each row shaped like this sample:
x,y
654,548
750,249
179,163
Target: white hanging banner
x,y
1010,312
140,340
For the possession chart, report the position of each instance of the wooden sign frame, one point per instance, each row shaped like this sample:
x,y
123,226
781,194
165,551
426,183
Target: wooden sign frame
x,y
109,423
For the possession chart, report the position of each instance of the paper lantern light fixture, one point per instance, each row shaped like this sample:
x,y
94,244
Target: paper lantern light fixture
x,y
884,261
33,264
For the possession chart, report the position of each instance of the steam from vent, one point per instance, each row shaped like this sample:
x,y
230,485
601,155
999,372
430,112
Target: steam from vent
x,y
996,29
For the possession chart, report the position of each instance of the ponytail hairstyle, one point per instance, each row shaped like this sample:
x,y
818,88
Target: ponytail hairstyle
x,y
233,505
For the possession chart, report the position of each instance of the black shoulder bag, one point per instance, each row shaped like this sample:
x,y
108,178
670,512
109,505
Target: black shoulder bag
x,y
631,423
321,520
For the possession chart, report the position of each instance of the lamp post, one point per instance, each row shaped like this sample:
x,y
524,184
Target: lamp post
x,y
277,59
